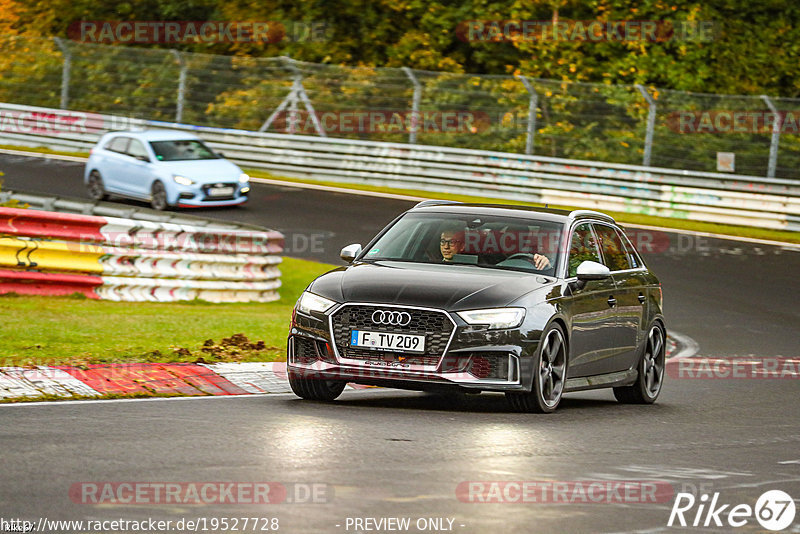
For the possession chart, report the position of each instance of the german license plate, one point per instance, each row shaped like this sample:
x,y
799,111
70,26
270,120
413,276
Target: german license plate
x,y
220,191
385,341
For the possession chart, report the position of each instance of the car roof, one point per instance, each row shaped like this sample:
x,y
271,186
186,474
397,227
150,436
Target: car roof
x,y
509,210
157,135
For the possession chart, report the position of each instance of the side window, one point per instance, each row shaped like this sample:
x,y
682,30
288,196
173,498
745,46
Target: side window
x,y
136,149
614,254
118,144
583,247
633,257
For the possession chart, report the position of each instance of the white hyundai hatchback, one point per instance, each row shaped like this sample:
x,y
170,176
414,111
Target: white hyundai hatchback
x,y
165,168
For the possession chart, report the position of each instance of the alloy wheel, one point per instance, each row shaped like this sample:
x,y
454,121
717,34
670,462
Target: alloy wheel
x,y
552,368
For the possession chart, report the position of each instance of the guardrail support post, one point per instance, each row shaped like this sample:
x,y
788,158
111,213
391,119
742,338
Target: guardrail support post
x,y
777,125
181,85
533,103
651,124
65,71
414,126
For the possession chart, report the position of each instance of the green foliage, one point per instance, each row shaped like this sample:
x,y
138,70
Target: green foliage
x,y
588,107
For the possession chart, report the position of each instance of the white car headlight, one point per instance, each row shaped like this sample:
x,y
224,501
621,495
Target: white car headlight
x,y
182,180
309,302
495,318
243,178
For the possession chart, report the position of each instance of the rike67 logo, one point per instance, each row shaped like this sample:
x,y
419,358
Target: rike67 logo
x,y
774,510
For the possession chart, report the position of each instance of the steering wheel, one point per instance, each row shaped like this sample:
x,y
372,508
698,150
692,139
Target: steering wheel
x,y
529,257
521,256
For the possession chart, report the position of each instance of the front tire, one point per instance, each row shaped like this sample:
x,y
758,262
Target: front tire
x,y
158,197
650,371
550,374
315,388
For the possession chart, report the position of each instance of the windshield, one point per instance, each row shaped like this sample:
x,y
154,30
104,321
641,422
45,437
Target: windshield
x,y
181,150
493,242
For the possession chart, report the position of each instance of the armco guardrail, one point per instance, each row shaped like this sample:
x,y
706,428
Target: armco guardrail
x,y
713,197
114,258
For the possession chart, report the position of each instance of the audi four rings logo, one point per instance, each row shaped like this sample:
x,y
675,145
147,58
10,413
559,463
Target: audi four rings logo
x,y
391,317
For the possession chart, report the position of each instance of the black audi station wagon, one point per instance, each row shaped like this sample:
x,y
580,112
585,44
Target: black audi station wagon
x,y
457,297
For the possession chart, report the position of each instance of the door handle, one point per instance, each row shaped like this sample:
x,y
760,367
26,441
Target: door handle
x,y
612,301
642,298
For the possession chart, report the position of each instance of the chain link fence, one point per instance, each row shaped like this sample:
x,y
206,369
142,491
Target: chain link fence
x,y
600,122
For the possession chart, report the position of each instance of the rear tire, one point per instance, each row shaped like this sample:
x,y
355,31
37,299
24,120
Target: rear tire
x,y
95,187
315,388
550,374
650,371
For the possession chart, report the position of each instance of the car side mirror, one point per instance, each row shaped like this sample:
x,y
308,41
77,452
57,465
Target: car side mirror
x,y
591,270
143,158
350,252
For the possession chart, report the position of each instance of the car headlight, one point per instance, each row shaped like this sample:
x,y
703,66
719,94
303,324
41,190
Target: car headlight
x,y
495,318
309,302
243,178
182,180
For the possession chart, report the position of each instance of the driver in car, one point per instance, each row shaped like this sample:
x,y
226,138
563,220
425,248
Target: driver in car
x,y
451,242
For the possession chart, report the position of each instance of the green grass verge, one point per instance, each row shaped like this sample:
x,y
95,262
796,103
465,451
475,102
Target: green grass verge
x,y
43,150
75,331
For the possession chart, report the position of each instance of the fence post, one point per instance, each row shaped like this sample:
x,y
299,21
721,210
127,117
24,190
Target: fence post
x,y
533,103
65,71
181,85
412,134
651,124
777,125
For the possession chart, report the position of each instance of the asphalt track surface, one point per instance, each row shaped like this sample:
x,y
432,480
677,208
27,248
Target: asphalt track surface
x,y
386,453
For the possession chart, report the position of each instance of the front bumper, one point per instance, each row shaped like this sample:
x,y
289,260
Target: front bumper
x,y
473,359
191,203
198,196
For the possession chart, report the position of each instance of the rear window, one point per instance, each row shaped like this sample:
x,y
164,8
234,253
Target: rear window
x,y
179,150
136,149
633,255
118,144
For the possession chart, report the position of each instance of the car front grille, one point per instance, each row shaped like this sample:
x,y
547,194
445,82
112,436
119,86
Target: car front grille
x,y
209,198
436,326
